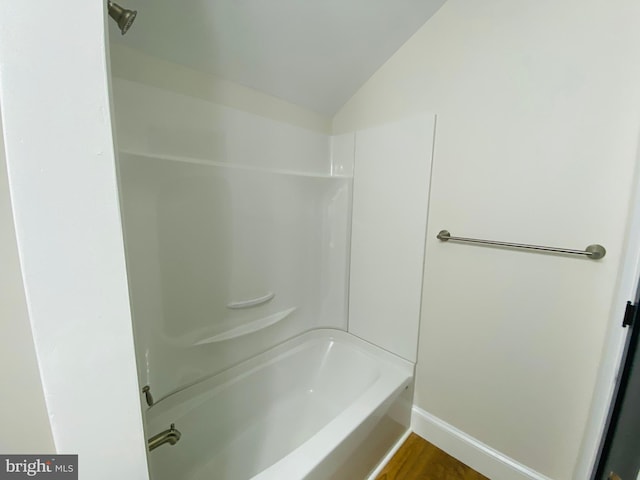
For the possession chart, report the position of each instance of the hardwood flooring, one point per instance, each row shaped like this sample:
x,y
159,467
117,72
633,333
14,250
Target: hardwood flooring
x,y
418,459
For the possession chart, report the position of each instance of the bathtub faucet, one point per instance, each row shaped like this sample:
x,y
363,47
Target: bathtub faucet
x,y
172,435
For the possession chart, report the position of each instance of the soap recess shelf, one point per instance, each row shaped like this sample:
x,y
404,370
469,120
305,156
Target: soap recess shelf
x,y
248,328
252,302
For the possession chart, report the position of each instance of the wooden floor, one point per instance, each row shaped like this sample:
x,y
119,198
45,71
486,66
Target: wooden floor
x,y
417,459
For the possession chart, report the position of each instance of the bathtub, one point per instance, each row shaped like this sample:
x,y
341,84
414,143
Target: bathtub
x,y
322,405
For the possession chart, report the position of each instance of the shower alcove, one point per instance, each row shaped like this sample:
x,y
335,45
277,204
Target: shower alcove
x,y
275,293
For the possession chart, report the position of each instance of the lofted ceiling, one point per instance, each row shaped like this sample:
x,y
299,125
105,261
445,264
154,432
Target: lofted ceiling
x,y
314,53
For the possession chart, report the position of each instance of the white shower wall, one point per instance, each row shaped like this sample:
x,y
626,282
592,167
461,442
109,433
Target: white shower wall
x,y
158,121
222,206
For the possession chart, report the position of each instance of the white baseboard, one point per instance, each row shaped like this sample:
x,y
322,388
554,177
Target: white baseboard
x,y
468,450
392,452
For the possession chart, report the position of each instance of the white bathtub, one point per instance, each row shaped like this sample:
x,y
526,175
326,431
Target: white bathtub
x,y
322,405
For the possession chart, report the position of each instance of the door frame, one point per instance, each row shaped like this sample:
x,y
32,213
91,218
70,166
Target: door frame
x,y
623,379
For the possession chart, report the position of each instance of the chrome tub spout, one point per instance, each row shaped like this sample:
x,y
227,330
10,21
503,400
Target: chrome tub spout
x,y
171,436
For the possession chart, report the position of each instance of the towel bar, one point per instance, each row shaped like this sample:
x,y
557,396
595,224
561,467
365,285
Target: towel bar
x,y
593,252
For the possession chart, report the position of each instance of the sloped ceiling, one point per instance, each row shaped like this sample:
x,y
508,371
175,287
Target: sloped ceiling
x,y
314,53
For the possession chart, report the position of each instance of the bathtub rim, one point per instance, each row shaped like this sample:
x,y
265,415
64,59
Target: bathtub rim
x,y
220,380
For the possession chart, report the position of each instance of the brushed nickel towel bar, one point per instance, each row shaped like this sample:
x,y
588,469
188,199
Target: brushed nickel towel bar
x,y
593,252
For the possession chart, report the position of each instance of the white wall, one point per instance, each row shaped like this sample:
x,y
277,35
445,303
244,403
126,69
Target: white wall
x,y
136,66
59,149
158,121
23,415
538,117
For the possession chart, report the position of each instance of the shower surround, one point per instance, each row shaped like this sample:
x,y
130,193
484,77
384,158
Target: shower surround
x,y
239,253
